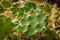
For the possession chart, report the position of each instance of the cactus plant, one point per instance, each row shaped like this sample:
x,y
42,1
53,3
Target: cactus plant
x,y
5,26
32,22
29,20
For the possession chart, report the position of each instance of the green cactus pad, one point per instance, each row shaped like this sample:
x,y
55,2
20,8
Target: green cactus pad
x,y
5,26
32,22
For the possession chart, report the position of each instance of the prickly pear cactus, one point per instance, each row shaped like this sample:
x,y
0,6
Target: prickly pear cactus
x,y
32,22
5,26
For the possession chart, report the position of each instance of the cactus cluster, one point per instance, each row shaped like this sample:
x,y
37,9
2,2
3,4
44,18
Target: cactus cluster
x,y
30,19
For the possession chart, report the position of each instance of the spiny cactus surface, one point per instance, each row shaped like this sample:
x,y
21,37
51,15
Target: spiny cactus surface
x,y
32,22
5,26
